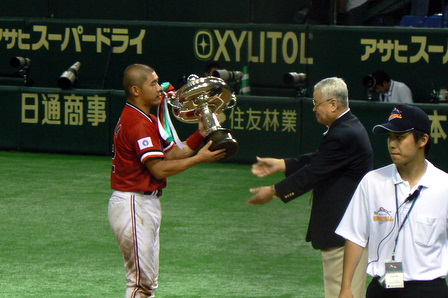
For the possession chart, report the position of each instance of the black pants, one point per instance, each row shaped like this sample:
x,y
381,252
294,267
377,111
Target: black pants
x,y
412,289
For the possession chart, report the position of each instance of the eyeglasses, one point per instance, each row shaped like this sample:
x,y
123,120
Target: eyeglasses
x,y
318,104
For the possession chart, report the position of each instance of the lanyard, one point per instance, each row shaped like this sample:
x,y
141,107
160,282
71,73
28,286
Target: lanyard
x,y
387,97
412,198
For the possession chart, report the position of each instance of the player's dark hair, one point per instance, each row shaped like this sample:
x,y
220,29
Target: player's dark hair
x,y
380,77
418,134
135,75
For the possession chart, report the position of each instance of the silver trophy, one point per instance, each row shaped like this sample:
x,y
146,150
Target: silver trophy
x,y
202,99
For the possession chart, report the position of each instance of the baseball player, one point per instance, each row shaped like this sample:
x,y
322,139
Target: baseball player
x,y
142,162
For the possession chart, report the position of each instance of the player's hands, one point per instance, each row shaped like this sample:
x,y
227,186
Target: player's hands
x,y
201,127
262,195
205,155
267,166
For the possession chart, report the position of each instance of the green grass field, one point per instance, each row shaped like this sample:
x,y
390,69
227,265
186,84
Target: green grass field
x,y
55,239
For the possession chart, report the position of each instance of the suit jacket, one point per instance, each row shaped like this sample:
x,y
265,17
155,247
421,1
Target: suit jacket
x,y
333,173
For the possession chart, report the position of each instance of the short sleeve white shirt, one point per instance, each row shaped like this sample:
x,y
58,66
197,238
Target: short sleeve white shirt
x,y
398,92
371,219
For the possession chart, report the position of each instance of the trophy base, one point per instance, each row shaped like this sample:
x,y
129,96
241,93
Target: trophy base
x,y
222,139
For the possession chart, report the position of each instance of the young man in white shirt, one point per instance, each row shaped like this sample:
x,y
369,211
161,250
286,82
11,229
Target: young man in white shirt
x,y
400,212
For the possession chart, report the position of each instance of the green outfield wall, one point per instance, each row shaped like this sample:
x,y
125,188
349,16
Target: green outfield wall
x,y
82,122
416,56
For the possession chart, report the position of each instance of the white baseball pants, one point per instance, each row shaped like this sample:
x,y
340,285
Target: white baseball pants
x,y
135,219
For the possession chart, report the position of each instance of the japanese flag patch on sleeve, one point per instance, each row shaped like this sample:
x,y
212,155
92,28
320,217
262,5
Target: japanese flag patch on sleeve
x,y
144,143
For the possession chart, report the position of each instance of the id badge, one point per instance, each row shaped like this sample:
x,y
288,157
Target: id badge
x,y
393,279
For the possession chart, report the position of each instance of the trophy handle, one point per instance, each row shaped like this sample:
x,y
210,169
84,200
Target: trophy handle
x,y
232,102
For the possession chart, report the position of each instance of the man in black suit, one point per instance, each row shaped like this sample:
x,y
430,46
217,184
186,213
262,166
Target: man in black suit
x,y
332,172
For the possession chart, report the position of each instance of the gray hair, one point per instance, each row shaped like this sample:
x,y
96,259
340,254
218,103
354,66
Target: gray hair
x,y
333,88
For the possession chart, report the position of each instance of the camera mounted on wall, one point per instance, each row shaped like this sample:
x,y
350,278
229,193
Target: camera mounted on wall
x,y
296,80
228,76
69,77
24,69
438,96
369,83
232,78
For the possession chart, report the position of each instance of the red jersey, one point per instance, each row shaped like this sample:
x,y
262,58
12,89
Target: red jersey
x,y
136,139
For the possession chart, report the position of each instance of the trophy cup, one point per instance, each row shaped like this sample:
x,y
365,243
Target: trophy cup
x,y
202,99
